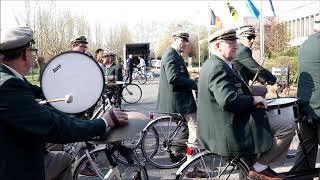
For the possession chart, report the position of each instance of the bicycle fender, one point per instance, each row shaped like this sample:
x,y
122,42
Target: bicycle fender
x,y
154,121
193,158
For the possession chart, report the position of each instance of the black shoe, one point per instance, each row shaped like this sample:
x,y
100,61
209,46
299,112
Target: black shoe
x,y
176,158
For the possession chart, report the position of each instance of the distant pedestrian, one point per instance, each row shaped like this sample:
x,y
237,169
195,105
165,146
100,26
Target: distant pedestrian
x,y
142,65
130,68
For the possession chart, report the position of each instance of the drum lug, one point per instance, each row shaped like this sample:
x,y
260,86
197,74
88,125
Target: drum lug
x,y
279,112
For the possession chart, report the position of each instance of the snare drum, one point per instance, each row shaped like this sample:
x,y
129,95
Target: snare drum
x,y
76,74
282,108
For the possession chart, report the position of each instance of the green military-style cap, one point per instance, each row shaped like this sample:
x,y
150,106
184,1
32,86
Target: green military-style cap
x,y
14,38
79,39
181,34
246,31
223,34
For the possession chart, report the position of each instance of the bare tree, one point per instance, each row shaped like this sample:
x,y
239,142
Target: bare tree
x,y
117,37
277,37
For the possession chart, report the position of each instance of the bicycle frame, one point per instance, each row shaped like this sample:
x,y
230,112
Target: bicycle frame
x,y
112,173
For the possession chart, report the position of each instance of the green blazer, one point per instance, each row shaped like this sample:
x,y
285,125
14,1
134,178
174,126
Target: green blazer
x,y
25,126
309,76
248,67
228,124
115,70
175,86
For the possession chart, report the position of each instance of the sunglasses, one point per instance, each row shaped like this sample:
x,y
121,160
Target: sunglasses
x,y
83,46
185,39
251,37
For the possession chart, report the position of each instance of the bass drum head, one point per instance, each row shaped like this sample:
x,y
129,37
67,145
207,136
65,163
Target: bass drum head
x,y
76,74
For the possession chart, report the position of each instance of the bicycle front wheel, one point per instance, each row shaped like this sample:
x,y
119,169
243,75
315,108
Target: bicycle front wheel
x,y
131,93
208,165
101,167
161,150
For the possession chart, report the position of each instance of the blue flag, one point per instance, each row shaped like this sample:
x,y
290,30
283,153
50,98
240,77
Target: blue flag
x,y
212,18
254,11
274,14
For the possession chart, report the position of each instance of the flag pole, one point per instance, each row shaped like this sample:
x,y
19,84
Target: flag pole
x,y
209,29
261,36
261,25
199,41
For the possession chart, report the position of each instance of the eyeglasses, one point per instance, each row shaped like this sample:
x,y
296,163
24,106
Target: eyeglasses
x,y
251,37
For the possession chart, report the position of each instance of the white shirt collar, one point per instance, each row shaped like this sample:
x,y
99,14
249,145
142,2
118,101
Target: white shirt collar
x,y
229,63
14,72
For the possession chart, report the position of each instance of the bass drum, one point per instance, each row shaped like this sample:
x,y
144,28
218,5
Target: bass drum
x,y
73,73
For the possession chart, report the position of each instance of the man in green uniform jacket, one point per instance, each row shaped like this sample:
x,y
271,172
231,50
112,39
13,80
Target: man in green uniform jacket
x,y
309,96
25,125
175,87
231,121
244,61
114,71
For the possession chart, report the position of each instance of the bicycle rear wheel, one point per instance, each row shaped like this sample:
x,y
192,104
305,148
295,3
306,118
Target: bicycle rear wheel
x,y
206,165
142,78
131,93
158,151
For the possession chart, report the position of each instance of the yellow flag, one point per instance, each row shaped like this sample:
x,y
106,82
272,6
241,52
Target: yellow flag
x,y
233,12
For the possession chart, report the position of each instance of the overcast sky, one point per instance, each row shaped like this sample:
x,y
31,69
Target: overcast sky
x,y
108,13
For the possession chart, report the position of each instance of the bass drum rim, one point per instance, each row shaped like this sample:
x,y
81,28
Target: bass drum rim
x,y
95,62
270,107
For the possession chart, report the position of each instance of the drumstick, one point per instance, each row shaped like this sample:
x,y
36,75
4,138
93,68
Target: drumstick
x,y
67,98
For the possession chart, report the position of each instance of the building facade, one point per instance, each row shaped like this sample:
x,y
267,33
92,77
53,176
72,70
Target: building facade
x,y
299,21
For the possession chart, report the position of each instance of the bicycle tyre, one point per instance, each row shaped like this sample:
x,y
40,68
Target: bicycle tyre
x,y
158,155
100,153
213,166
131,93
142,78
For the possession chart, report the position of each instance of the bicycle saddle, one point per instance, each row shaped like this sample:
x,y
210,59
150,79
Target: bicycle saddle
x,y
137,121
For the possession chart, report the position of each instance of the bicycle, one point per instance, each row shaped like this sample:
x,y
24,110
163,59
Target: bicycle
x,y
103,161
136,75
222,167
104,164
130,93
150,75
158,150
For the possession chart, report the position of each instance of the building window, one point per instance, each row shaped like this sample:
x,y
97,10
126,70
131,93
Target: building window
x,y
307,26
311,22
302,27
294,29
298,28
